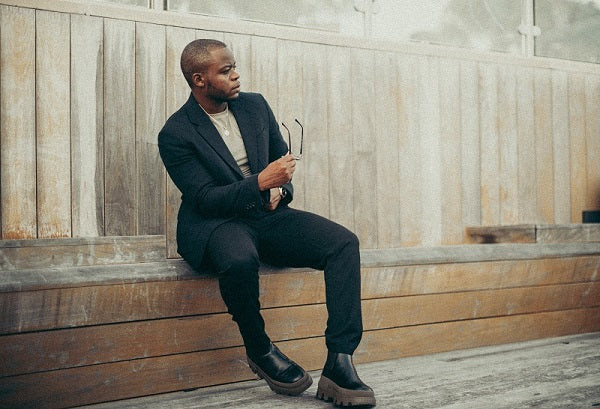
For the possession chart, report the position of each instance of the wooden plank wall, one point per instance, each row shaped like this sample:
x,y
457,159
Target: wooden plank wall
x,y
406,146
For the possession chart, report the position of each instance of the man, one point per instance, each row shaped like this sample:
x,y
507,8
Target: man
x,y
224,151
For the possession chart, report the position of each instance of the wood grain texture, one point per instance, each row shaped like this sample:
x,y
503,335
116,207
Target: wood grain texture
x,y
520,135
53,116
123,302
119,129
177,91
315,162
577,146
17,136
87,126
386,132
43,351
543,146
339,112
364,148
150,116
490,158
184,371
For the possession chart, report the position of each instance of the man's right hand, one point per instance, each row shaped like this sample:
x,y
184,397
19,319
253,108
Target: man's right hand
x,y
277,173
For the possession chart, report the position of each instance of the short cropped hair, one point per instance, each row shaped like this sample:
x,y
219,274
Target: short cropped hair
x,y
196,57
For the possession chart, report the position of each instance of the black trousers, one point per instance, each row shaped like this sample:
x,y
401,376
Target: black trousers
x,y
292,238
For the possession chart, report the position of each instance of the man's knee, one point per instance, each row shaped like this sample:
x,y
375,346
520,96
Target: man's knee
x,y
240,265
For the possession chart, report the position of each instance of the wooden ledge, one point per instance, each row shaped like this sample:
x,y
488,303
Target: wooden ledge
x,y
532,233
46,254
169,270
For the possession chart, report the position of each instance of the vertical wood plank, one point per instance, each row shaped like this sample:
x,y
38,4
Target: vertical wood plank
x,y
507,143
430,139
543,146
150,117
526,147
450,153
87,126
291,105
592,132
364,144
17,128
177,92
470,143
490,179
119,128
264,70
315,163
560,133
578,146
241,47
389,233
53,124
409,153
339,119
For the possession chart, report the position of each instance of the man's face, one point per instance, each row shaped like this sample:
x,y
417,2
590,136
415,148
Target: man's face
x,y
221,81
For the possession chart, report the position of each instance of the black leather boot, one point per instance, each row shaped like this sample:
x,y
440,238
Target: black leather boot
x,y
281,373
340,383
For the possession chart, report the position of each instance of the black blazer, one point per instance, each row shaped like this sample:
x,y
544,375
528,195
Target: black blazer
x,y
201,166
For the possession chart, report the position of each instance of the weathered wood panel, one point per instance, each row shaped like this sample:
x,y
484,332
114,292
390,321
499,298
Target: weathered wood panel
x,y
17,125
364,142
506,125
560,148
592,133
439,142
150,117
386,133
490,160
43,351
53,170
291,106
87,126
120,182
177,91
578,146
339,112
315,162
452,232
543,146
70,307
470,144
52,254
430,181
184,371
526,163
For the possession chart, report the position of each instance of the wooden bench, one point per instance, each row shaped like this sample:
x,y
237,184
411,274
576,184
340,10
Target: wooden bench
x,y
111,328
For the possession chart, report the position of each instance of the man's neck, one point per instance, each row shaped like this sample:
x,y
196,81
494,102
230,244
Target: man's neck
x,y
210,106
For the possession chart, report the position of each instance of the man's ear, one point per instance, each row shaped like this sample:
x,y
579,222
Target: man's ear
x,y
198,79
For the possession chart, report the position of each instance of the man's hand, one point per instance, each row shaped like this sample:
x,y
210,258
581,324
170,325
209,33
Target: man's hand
x,y
275,199
277,173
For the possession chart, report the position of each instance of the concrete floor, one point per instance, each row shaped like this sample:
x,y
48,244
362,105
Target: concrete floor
x,y
555,373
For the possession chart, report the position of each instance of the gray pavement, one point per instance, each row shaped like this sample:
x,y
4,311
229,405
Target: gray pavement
x,y
556,373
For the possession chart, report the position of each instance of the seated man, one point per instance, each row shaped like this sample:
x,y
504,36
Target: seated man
x,y
224,151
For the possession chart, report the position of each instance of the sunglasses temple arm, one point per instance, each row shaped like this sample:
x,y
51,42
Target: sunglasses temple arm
x,y
289,137
301,135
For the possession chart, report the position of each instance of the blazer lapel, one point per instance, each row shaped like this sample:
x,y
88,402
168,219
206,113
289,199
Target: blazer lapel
x,y
207,130
248,129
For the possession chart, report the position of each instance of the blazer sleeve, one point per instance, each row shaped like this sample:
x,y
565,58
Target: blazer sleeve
x,y
209,196
277,149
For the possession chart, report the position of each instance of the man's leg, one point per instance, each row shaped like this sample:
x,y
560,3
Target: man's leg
x,y
306,239
233,255
303,239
